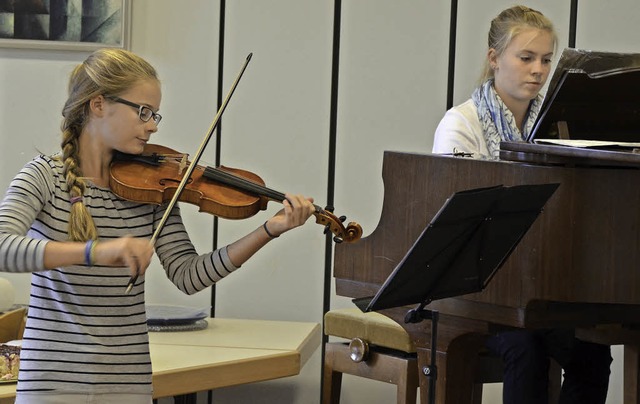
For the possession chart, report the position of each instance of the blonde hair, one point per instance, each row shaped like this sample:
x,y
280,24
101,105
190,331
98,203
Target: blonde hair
x,y
105,72
509,23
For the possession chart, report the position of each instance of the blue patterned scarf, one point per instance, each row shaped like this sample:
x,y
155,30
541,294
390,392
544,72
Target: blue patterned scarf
x,y
497,121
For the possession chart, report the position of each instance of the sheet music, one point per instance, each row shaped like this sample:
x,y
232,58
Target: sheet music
x,y
589,143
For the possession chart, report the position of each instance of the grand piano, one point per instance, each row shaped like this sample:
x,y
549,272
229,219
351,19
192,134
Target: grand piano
x,y
577,266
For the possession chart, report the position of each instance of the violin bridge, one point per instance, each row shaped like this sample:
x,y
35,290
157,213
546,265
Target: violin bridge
x,y
183,164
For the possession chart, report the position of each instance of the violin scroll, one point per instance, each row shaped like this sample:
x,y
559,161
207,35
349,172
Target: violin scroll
x,y
350,234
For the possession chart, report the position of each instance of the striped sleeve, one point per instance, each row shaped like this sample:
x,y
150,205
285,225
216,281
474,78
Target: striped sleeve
x,y
26,196
189,271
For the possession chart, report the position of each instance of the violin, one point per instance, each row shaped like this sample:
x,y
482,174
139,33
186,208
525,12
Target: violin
x,y
230,193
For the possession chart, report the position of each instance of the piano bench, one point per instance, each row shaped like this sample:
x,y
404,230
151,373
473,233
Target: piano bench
x,y
380,349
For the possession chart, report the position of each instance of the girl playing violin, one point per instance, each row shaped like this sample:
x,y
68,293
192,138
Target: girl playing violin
x,y
85,338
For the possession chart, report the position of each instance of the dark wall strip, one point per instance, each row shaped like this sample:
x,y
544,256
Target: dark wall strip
x,y
453,26
219,96
573,23
219,100
333,122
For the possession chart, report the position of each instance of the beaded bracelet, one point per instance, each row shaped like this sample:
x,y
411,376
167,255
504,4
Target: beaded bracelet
x,y
88,252
264,225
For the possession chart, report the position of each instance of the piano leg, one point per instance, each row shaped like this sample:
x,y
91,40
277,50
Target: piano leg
x,y
631,374
630,338
459,343
455,372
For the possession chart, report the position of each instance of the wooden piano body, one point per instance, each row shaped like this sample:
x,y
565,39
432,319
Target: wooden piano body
x,y
578,265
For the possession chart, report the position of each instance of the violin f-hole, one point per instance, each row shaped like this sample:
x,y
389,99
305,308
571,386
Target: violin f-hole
x,y
164,181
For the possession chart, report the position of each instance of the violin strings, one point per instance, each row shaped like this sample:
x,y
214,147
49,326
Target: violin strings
x,y
252,186
233,180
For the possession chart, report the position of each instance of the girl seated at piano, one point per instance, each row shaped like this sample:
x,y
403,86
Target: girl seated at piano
x,y
504,107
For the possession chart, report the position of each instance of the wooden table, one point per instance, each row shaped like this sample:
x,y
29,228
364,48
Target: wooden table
x,y
227,353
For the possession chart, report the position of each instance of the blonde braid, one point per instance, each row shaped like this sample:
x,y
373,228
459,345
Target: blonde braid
x,y
81,226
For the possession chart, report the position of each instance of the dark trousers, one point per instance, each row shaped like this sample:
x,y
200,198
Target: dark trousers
x,y
526,356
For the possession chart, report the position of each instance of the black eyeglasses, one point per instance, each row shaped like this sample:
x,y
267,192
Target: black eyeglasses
x,y
144,113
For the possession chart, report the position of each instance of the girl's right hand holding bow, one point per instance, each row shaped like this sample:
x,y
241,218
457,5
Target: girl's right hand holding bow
x,y
131,252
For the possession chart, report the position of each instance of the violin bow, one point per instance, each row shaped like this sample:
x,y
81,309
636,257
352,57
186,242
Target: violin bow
x,y
193,164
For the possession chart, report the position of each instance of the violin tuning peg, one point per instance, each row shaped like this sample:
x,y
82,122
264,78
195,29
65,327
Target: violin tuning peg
x,y
326,229
329,208
342,218
337,239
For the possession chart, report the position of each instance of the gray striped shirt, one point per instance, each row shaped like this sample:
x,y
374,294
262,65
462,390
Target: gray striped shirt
x,y
83,333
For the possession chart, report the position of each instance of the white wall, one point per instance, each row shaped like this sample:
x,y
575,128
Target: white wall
x,y
277,127
392,93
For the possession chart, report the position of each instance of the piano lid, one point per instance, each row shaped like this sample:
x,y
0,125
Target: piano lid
x,y
592,96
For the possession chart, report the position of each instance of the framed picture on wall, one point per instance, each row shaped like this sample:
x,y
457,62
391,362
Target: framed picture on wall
x,y
83,25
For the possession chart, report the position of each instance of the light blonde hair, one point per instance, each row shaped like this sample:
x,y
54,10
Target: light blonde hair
x,y
107,71
509,23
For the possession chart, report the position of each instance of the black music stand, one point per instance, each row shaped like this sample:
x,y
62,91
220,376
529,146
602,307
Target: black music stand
x,y
459,252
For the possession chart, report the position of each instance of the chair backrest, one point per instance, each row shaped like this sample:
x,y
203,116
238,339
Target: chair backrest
x,y
12,324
